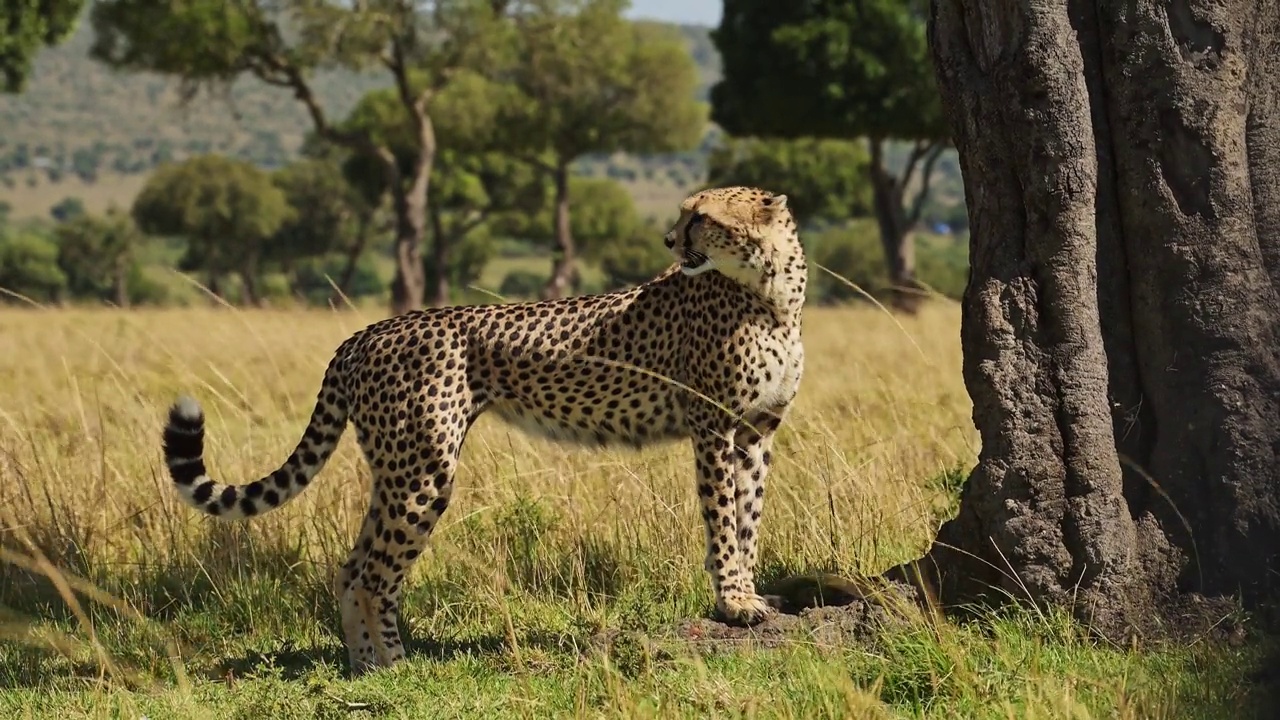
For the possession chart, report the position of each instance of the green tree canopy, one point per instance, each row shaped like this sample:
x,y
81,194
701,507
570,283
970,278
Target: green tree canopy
x,y
25,27
29,268
326,211
607,228
837,69
825,179
474,182
421,45
227,210
590,81
97,255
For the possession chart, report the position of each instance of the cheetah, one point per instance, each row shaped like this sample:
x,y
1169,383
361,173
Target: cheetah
x,y
708,351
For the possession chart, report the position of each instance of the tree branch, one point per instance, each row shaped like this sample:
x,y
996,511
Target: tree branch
x,y
926,174
918,151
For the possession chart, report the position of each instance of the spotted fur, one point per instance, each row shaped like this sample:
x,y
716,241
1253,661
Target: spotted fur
x,y
709,350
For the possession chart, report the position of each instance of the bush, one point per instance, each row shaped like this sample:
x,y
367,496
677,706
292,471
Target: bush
x,y
311,282
467,258
521,283
853,251
942,264
633,260
29,267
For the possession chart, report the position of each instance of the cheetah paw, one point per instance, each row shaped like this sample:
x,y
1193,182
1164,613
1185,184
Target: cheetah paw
x,y
744,609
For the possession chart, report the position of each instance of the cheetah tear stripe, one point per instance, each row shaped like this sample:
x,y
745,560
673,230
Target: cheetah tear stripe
x,y
184,456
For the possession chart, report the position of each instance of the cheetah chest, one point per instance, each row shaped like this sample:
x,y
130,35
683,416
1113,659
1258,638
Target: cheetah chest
x,y
772,366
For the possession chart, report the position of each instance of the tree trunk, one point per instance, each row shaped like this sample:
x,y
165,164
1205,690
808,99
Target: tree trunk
x,y
120,284
888,194
1120,326
353,258
249,278
440,259
215,286
562,271
409,284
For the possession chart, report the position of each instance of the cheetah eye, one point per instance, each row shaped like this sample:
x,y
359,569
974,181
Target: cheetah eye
x,y
694,218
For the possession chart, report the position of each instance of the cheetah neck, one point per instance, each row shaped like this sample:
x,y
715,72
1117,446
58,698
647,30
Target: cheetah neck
x,y
780,285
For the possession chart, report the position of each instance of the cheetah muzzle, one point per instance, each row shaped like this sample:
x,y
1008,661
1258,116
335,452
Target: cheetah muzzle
x,y
708,351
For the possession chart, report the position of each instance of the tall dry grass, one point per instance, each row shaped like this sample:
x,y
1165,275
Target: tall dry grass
x,y
543,544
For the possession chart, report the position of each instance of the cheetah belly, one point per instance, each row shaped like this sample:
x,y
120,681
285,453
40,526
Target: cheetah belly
x,y
636,416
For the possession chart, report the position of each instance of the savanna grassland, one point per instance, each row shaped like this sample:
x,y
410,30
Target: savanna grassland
x,y
117,601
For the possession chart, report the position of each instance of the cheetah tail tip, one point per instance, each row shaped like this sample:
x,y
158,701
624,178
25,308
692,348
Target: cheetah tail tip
x,y
186,410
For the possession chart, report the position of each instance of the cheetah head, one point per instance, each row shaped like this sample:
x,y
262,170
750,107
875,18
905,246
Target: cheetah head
x,y
736,231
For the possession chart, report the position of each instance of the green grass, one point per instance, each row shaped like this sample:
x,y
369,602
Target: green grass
x,y
560,582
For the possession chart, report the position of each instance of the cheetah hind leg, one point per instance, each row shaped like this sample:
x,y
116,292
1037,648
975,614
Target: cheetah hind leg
x,y
406,506
354,602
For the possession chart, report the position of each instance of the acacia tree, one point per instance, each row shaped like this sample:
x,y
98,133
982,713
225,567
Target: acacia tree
x,y
590,81
1121,326
27,26
420,44
473,180
329,215
837,69
226,209
97,255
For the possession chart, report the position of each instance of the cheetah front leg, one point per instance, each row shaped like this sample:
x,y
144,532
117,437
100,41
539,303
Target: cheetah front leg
x,y
753,444
714,459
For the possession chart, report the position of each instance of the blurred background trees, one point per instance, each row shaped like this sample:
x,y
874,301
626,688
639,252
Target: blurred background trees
x,y
416,154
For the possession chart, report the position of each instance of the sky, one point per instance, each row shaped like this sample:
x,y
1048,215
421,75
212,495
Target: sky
x,y
692,12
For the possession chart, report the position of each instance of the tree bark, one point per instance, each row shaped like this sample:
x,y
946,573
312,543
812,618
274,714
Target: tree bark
x,y
895,219
899,247
120,283
409,284
249,279
1121,319
562,271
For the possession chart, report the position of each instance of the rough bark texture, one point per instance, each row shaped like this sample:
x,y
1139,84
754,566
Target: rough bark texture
x,y
408,287
898,245
895,217
563,269
1120,322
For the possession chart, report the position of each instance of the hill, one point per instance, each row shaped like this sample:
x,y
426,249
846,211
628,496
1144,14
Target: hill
x,y
82,129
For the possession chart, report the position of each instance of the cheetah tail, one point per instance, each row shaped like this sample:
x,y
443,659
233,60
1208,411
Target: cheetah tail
x,y
184,456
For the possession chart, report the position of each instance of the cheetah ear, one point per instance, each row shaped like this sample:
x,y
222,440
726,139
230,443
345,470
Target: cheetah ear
x,y
775,202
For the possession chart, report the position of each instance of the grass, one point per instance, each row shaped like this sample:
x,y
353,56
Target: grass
x,y
155,611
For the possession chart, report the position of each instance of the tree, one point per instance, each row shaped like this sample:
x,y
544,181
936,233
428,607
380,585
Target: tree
x,y
1122,318
329,215
226,208
826,180
68,208
606,228
421,45
25,27
476,192
835,69
592,82
29,267
96,254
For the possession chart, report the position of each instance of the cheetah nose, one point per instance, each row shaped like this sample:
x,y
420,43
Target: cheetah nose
x,y
669,240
